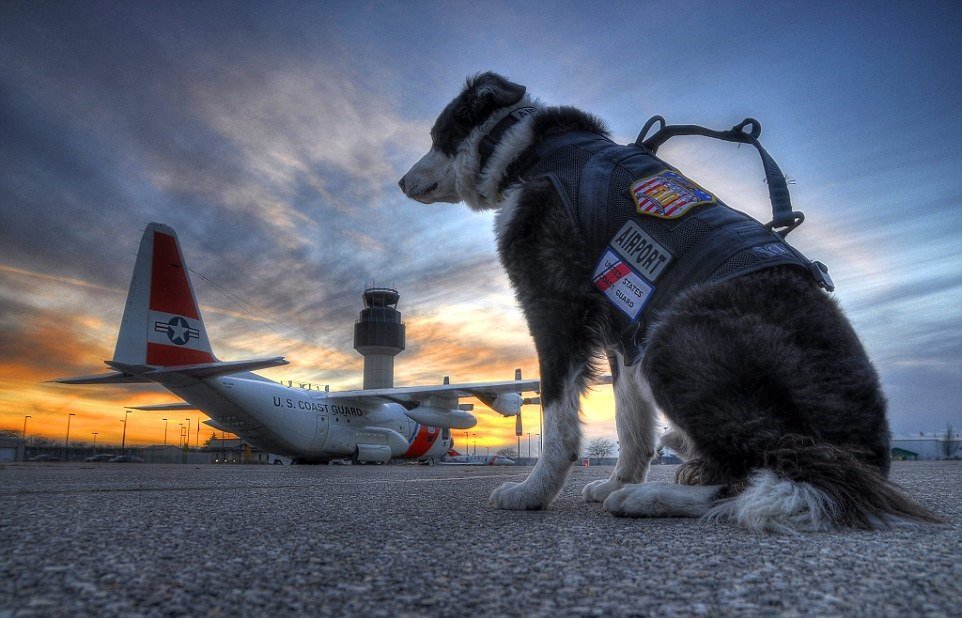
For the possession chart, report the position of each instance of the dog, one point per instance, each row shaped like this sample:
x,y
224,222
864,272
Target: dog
x,y
773,399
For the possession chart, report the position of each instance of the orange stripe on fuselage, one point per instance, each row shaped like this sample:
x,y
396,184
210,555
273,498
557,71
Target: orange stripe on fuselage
x,y
423,441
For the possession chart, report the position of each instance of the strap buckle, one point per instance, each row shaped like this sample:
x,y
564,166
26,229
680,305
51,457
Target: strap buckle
x,y
782,227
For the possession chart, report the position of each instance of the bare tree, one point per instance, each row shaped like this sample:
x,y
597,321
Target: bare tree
x,y
600,448
950,442
508,452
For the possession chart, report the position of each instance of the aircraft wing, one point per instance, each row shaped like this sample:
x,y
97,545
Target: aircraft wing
x,y
485,391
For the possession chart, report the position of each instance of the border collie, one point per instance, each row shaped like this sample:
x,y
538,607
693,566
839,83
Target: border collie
x,y
775,404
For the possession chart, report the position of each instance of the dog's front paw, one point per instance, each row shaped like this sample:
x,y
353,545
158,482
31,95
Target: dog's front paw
x,y
598,491
517,497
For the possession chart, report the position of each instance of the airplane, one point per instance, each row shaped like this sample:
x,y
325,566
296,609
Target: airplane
x,y
163,340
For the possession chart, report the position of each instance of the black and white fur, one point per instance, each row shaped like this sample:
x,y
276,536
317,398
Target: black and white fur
x,y
773,397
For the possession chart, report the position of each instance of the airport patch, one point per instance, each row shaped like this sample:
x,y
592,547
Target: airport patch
x,y
668,195
625,288
639,249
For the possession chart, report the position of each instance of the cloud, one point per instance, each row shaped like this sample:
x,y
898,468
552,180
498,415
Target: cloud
x,y
272,141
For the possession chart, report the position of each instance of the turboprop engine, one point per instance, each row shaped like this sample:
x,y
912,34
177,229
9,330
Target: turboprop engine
x,y
435,416
506,404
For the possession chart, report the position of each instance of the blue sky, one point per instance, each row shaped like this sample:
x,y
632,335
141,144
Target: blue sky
x,y
271,135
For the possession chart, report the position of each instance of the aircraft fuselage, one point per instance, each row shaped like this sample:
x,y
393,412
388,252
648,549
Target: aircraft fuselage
x,y
307,425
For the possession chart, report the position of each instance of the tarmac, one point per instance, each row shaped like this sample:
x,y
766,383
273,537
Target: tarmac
x,y
176,540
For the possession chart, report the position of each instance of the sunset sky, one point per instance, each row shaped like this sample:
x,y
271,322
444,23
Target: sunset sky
x,y
271,136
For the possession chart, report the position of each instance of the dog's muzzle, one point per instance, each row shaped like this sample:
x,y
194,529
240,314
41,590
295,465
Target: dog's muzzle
x,y
415,192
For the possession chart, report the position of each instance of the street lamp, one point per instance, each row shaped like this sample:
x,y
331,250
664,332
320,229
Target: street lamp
x,y
95,442
66,442
123,440
23,436
529,446
187,435
165,431
475,443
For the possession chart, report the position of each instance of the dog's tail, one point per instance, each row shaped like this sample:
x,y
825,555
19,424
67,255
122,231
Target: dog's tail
x,y
803,486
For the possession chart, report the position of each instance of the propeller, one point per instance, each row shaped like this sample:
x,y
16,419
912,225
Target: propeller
x,y
518,427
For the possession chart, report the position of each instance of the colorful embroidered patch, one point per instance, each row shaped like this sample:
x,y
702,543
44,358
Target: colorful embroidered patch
x,y
624,287
668,195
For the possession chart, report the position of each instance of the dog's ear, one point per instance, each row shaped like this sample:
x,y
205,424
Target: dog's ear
x,y
497,91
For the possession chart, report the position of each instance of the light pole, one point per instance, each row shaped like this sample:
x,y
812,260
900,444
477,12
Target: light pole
x,y
123,440
66,442
475,443
95,442
187,436
467,443
529,446
23,436
165,432
537,437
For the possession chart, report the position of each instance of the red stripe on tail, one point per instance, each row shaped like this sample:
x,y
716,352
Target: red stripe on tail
x,y
169,288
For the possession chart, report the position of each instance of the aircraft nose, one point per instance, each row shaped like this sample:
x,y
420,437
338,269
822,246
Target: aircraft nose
x,y
400,183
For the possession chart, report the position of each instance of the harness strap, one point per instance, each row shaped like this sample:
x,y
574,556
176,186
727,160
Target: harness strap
x,y
784,219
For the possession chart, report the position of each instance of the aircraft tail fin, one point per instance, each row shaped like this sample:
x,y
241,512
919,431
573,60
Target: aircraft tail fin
x,y
162,325
162,335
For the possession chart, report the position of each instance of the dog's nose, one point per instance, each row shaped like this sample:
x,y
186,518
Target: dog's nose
x,y
400,183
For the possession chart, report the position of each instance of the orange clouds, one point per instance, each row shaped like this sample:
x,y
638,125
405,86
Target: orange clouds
x,y
58,326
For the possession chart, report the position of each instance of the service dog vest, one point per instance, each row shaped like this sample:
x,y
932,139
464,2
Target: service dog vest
x,y
654,231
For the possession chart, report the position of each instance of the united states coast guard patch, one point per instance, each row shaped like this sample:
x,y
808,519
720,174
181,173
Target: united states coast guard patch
x,y
623,286
668,195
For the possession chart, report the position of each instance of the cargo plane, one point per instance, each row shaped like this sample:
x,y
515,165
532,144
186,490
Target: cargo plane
x,y
163,340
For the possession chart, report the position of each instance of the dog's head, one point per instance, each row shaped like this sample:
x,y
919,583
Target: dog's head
x,y
446,171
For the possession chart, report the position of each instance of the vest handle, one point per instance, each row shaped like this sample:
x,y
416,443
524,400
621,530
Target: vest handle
x,y
784,219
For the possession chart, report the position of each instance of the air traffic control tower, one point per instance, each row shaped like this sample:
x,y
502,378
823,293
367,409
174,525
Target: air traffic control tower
x,y
379,336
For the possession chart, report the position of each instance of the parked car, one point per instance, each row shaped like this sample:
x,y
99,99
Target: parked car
x,y
125,459
101,457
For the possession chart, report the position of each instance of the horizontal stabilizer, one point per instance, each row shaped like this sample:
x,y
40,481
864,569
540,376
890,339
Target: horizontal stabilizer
x,y
163,407
201,371
113,377
212,423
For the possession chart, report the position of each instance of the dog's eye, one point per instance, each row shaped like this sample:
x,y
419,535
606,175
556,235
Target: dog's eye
x,y
447,133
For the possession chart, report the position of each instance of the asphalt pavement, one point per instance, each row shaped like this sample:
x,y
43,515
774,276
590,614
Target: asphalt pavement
x,y
176,540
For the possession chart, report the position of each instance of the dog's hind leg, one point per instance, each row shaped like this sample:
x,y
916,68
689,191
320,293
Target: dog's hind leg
x,y
663,500
677,441
635,420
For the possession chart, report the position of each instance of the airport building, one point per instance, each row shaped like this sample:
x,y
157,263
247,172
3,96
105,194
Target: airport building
x,y
926,447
